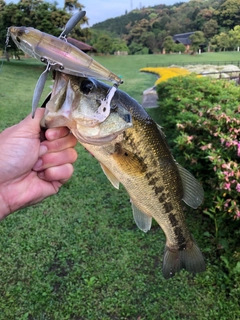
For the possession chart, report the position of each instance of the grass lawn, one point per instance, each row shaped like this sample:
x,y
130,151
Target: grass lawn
x,y
78,255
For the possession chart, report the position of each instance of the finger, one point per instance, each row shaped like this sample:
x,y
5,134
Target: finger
x,y
54,159
60,173
56,133
66,142
33,124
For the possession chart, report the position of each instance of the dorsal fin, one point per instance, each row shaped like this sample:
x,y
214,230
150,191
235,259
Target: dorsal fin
x,y
142,220
193,191
111,177
160,130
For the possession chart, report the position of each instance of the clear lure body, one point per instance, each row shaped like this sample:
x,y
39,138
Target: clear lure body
x,y
59,54
62,56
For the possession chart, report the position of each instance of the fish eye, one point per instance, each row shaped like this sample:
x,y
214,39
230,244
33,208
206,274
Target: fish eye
x,y
18,40
86,86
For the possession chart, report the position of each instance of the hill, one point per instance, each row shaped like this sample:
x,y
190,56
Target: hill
x,y
148,27
119,24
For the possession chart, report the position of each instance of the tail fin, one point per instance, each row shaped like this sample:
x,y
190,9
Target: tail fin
x,y
190,259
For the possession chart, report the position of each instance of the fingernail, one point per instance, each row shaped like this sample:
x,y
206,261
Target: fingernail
x,y
38,164
42,150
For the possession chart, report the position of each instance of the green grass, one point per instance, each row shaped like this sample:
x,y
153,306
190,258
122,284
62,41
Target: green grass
x,y
78,255
135,82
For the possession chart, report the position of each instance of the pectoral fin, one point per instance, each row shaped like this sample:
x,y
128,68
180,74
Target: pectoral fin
x,y
142,220
114,181
193,191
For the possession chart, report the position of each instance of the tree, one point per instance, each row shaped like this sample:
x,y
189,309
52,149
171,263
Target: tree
x,y
234,36
173,27
223,41
139,28
2,5
104,44
72,5
38,14
203,16
148,40
228,14
119,45
168,44
213,43
160,39
210,29
135,47
179,47
197,38
163,21
220,41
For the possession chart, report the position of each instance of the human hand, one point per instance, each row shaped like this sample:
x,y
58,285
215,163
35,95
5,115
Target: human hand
x,y
31,170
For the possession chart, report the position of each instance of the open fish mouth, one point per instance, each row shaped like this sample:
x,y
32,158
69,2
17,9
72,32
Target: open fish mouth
x,y
75,101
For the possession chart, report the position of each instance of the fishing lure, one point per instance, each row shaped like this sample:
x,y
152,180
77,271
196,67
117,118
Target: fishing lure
x,y
62,56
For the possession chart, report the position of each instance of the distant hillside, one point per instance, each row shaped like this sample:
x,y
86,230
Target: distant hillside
x,y
118,25
158,15
144,30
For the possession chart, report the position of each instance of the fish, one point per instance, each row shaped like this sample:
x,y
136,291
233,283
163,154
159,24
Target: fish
x,y
132,150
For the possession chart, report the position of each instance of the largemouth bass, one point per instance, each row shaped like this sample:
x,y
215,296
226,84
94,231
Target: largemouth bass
x,y
132,150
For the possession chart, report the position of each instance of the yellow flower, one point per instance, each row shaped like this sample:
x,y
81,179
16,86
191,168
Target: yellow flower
x,y
166,73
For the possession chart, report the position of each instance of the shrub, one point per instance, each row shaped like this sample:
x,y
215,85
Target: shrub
x,y
201,119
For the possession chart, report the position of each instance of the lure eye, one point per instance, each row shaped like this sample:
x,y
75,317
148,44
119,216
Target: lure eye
x,y
86,86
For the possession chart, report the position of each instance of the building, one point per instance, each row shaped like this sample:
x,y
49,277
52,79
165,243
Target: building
x,y
81,45
184,39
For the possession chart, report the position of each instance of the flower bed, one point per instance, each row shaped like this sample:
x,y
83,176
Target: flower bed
x,y
201,117
166,73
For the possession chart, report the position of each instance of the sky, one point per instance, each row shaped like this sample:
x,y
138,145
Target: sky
x,y
100,10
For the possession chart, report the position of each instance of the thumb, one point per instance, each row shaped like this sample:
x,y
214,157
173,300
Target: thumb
x,y
33,123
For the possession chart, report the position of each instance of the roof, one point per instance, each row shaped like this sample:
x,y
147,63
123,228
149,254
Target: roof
x,y
81,45
183,38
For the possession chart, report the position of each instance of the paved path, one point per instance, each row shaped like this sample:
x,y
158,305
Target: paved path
x,y
150,98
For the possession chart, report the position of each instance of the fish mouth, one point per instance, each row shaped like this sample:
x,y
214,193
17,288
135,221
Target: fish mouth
x,y
97,140
63,106
74,102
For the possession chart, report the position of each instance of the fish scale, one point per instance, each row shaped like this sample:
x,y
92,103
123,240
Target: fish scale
x,y
166,175
178,236
136,155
